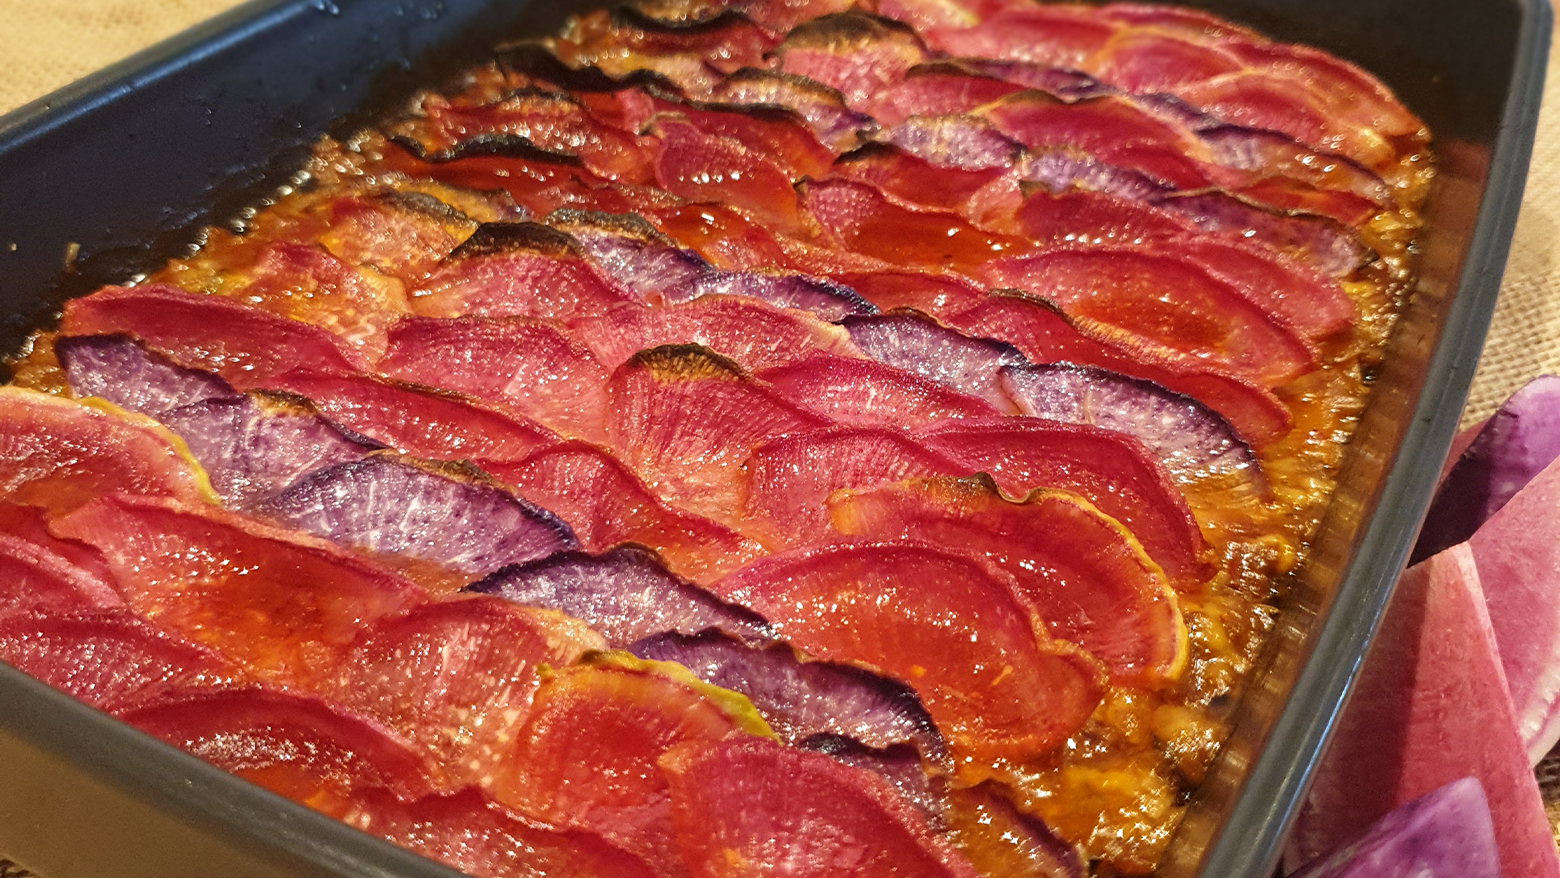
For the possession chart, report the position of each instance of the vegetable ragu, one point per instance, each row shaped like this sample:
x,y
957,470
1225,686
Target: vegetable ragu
x,y
869,437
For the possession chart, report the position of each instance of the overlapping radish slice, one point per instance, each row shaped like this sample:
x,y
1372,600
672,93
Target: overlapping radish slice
x,y
450,515
936,88
124,372
516,269
418,420
702,167
801,698
456,677
789,479
630,250
745,802
40,572
752,332
900,764
606,504
778,133
855,53
525,365
1160,301
1084,573
951,142
533,179
283,606
915,342
587,756
867,393
836,125
913,178
257,444
295,745
998,839
1044,335
997,687
861,219
685,419
821,296
109,659
59,453
242,344
620,38
625,593
934,293
400,234
1108,469
467,830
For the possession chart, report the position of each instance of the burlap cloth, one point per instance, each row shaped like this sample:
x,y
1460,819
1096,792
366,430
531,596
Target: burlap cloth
x,y
45,44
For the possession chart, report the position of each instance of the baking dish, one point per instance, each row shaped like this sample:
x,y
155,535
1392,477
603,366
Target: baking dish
x,y
194,130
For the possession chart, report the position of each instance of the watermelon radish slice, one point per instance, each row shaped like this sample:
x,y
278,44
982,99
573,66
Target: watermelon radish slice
x,y
916,342
914,179
998,839
685,419
748,801
1430,707
626,594
110,659
936,88
41,573
836,125
446,514
944,625
121,370
866,393
60,453
456,677
937,294
630,251
702,167
1085,575
295,745
776,132
859,55
301,281
467,830
282,605
1445,833
824,298
860,219
401,234
962,142
1514,445
800,698
606,504
587,755
900,764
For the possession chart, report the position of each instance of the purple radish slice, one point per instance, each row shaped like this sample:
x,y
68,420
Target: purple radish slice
x,y
257,444
825,298
1445,833
964,142
625,593
801,698
899,764
917,343
1515,444
837,126
1002,840
121,370
633,253
448,514
1189,439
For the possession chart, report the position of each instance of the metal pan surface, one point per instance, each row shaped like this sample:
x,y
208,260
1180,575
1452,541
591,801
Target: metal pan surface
x,y
112,175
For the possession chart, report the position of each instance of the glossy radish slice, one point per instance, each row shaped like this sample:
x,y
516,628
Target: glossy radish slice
x,y
800,698
61,454
242,344
402,234
516,269
418,419
304,282
111,659
634,254
964,143
790,479
998,839
824,108
950,628
524,365
606,504
741,803
866,393
588,755
858,54
282,605
931,292
862,220
42,573
702,167
685,419
625,593
456,677
453,516
776,132
1081,571
914,179
936,88
1107,468
917,343
295,745
821,296
124,372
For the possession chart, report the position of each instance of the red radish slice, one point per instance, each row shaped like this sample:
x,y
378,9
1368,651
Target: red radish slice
x,y
954,632
866,393
1430,707
525,365
242,344
686,419
934,89
305,283
862,220
934,293
456,677
516,269
467,830
60,454
418,420
790,479
606,504
587,756
1001,840
402,234
776,132
42,573
297,746
914,178
1085,575
1445,833
702,167
1108,469
836,125
282,605
742,803
111,660
858,54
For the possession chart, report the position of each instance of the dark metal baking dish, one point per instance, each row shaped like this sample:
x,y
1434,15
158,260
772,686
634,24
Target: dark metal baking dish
x,y
113,174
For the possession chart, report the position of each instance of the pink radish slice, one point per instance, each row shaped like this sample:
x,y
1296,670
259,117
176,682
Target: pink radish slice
x,y
1445,833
